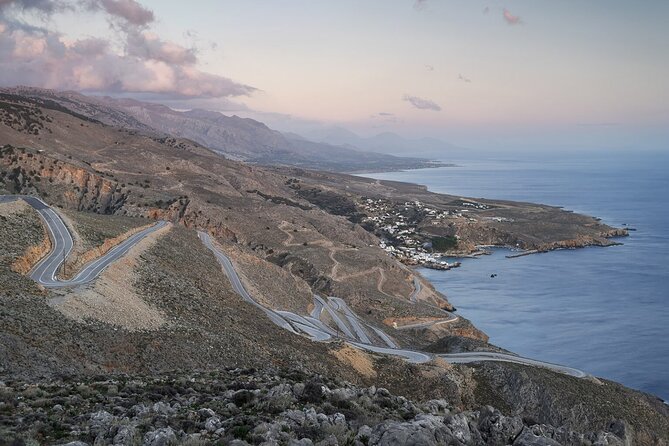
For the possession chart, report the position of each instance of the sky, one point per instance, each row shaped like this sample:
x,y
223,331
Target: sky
x,y
542,74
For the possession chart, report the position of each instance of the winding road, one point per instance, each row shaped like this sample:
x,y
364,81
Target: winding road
x,y
447,320
468,357
353,329
46,270
237,283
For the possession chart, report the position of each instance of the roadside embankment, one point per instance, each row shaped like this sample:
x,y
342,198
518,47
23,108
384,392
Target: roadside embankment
x,y
75,262
33,254
113,298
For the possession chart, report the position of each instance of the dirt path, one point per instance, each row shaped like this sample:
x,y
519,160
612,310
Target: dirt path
x,y
332,250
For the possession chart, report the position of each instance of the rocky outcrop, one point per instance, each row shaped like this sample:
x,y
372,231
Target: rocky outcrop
x,y
541,397
65,184
583,241
260,407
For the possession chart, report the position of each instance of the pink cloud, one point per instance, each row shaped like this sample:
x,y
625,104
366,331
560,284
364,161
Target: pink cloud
x,y
44,6
129,10
148,64
147,45
511,19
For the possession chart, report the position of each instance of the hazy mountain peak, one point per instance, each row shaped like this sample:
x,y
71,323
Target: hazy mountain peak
x,y
384,142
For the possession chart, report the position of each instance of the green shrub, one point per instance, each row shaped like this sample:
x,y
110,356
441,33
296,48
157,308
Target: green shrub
x,y
441,244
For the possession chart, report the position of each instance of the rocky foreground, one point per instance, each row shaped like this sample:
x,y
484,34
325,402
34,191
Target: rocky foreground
x,y
246,406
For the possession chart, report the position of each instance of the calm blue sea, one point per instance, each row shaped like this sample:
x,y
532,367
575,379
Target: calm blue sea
x,y
603,310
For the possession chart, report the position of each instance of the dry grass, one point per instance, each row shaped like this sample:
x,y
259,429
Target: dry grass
x,y
357,359
112,299
32,254
75,262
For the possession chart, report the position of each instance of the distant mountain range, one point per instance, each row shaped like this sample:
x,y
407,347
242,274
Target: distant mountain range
x,y
250,140
388,143
237,138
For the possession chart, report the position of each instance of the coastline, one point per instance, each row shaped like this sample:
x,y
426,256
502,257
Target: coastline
x,y
582,286
431,164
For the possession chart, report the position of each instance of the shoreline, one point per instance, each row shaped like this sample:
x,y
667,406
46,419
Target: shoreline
x,y
481,251
436,165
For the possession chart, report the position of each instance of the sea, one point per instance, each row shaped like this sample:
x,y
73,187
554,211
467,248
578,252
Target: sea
x,y
602,310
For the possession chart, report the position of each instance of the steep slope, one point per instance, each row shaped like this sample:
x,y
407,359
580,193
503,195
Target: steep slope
x,y
88,106
252,141
111,170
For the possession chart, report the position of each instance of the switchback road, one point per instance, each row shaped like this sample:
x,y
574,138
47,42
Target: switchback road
x,y
354,331
46,270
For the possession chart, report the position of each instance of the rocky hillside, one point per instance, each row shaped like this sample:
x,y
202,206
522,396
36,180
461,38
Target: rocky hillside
x,y
290,232
235,137
246,406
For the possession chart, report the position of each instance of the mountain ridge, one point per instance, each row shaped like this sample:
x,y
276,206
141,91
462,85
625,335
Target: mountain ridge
x,y
386,142
243,139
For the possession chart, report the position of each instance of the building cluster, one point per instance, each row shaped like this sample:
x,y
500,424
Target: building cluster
x,y
474,205
499,219
397,226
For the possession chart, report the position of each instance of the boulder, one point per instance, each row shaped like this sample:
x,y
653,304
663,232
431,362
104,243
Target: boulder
x,y
527,438
496,429
160,437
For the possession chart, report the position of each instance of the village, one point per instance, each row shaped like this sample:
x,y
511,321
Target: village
x,y
397,226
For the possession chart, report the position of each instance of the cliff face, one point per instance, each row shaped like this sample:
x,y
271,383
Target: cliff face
x,y
66,184
191,217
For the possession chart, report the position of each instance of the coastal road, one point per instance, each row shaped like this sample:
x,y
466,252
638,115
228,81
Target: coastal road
x,y
450,318
45,271
472,357
316,330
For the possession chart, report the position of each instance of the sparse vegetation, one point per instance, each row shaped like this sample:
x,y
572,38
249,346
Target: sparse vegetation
x,y
443,244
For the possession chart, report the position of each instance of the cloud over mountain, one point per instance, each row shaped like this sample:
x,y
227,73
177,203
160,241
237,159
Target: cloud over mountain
x,y
40,56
